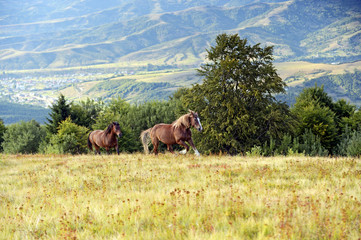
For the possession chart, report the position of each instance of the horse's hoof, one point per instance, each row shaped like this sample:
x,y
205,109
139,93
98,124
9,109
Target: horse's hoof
x,y
184,151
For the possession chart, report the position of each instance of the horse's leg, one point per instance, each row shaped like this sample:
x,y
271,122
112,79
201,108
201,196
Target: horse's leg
x,y
182,143
170,148
117,148
155,143
107,149
190,141
97,150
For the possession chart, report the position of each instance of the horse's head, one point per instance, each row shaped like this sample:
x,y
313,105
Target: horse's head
x,y
115,128
195,121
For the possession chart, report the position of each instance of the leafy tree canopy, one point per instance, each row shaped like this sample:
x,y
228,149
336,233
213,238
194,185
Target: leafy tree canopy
x,y
86,112
236,98
23,137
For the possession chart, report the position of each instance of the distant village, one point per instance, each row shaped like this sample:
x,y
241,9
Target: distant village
x,y
42,91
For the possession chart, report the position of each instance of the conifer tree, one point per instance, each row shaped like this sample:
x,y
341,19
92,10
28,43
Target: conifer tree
x,y
60,110
2,131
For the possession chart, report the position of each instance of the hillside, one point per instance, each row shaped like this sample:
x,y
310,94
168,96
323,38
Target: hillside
x,y
80,33
14,112
146,49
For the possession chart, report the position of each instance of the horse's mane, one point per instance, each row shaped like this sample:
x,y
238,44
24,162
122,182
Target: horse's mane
x,y
183,120
109,129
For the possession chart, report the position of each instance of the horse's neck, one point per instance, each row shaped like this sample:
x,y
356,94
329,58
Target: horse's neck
x,y
182,128
113,135
110,136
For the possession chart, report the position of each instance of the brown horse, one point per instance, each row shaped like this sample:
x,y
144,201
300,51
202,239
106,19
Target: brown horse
x,y
106,139
176,133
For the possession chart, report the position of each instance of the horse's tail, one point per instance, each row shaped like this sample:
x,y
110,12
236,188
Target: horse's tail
x,y
90,146
145,138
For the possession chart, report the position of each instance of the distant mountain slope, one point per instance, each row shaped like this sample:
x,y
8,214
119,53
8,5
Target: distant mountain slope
x,y
48,34
14,112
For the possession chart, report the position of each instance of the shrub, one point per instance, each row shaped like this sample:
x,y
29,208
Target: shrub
x,y
256,151
70,138
2,131
350,144
354,145
311,145
23,137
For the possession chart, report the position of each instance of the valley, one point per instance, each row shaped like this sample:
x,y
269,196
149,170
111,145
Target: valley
x,y
42,87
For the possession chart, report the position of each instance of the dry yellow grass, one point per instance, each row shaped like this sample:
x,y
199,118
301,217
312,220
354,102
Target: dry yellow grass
x,y
313,70
137,196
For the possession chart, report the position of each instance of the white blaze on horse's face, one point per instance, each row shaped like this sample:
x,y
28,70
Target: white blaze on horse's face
x,y
200,125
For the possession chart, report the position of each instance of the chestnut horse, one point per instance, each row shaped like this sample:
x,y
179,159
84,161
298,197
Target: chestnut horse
x,y
106,139
176,133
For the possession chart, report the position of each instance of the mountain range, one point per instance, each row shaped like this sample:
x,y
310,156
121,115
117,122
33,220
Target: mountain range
x,y
42,34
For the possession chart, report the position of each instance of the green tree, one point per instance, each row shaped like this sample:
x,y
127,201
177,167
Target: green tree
x,y
343,109
314,110
86,112
23,137
354,121
236,99
70,138
2,131
115,110
60,110
314,95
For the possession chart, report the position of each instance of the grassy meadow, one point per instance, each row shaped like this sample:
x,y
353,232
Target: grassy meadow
x,y
137,196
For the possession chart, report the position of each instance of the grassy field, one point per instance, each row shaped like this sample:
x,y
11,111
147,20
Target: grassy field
x,y
306,70
137,196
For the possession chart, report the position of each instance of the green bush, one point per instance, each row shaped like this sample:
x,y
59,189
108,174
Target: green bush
x,y
23,137
308,144
70,138
286,145
350,144
2,131
354,145
311,145
256,151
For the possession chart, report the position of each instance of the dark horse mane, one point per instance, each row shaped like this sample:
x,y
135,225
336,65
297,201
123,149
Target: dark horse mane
x,y
109,128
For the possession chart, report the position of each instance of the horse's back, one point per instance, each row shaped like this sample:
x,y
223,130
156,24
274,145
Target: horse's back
x,y
95,133
163,132
94,136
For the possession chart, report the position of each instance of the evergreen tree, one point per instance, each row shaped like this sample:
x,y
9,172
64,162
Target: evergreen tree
x,y
2,131
236,100
60,110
